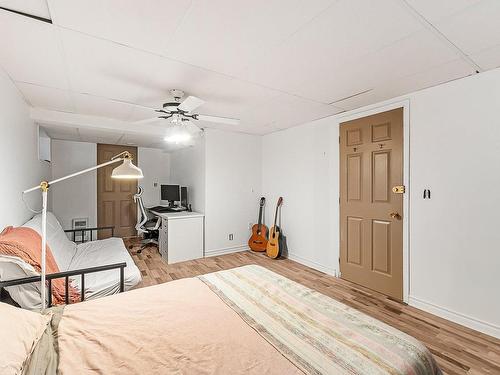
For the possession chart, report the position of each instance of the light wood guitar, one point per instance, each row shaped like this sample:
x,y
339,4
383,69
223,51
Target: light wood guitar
x,y
258,240
274,244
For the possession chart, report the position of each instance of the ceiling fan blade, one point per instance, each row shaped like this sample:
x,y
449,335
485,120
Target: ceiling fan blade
x,y
146,121
190,104
220,120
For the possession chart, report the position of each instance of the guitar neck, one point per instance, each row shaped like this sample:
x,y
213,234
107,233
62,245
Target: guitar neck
x,y
278,205
260,218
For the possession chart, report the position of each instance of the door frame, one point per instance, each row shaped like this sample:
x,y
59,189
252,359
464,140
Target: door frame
x,y
372,110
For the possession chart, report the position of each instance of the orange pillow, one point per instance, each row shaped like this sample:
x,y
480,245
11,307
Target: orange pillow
x,y
26,243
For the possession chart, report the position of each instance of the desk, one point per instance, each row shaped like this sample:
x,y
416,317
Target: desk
x,y
181,235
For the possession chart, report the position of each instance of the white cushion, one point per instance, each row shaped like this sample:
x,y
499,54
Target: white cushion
x,y
20,331
62,248
100,253
28,295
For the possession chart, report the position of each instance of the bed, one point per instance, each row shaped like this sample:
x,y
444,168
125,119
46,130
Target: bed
x,y
246,320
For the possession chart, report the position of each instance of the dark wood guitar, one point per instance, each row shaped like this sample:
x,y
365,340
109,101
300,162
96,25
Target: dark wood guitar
x,y
274,245
258,240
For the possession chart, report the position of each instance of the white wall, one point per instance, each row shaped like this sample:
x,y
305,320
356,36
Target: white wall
x,y
301,165
187,168
155,165
223,174
454,237
21,168
76,197
233,185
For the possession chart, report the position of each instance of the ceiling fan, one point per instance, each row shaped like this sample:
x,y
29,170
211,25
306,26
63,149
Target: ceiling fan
x,y
181,111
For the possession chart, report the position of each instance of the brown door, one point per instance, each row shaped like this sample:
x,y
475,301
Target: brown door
x,y
371,225
115,203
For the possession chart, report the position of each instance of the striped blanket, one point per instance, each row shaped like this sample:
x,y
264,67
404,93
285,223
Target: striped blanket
x,y
318,334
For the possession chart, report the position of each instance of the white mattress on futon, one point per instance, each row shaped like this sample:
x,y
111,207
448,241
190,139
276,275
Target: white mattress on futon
x,y
104,252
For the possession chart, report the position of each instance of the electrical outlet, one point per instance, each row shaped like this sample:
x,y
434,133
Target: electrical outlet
x,y
230,236
250,225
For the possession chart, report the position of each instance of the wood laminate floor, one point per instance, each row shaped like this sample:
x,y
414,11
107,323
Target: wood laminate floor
x,y
458,350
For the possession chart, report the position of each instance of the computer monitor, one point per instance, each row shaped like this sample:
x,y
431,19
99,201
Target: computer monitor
x,y
184,196
170,193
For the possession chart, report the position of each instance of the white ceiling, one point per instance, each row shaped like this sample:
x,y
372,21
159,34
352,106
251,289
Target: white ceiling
x,y
272,63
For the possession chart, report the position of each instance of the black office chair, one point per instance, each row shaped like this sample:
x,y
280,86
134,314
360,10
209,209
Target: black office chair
x,y
147,224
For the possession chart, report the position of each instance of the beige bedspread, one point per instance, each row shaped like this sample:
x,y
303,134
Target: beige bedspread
x,y
181,327
247,320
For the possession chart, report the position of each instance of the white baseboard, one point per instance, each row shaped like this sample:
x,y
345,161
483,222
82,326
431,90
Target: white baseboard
x,y
310,263
467,321
226,250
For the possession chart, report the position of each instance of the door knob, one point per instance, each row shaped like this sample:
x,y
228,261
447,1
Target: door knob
x,y
395,215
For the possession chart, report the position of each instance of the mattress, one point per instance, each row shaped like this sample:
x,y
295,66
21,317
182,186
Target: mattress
x,y
104,252
247,320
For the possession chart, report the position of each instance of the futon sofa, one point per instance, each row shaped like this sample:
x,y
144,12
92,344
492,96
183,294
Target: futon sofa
x,y
71,256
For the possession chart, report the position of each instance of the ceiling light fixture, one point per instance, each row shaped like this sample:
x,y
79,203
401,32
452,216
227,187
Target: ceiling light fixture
x,y
178,139
177,134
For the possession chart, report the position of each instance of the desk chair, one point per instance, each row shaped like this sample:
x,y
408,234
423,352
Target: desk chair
x,y
147,225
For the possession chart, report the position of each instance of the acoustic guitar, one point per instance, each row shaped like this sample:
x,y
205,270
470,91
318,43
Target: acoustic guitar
x,y
258,240
274,244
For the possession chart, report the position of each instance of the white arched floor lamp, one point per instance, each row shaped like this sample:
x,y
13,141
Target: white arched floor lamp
x,y
126,170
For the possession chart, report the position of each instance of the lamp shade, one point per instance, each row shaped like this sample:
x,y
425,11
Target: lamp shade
x,y
127,170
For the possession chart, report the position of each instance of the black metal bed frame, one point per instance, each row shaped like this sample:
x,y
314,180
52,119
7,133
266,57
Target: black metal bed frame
x,y
66,274
91,230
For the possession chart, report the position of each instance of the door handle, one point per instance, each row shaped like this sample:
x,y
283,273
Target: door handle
x,y
395,215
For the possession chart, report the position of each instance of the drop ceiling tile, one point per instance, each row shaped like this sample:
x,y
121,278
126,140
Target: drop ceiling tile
x,y
488,59
222,35
344,33
99,135
370,97
67,133
146,25
30,51
476,28
34,7
431,77
46,97
285,111
416,53
232,97
141,140
404,85
410,55
104,68
97,106
254,130
223,95
433,10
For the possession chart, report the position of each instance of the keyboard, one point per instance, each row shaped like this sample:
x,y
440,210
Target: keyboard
x,y
166,209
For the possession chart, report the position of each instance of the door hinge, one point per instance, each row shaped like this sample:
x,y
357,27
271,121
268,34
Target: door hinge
x,y
400,189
